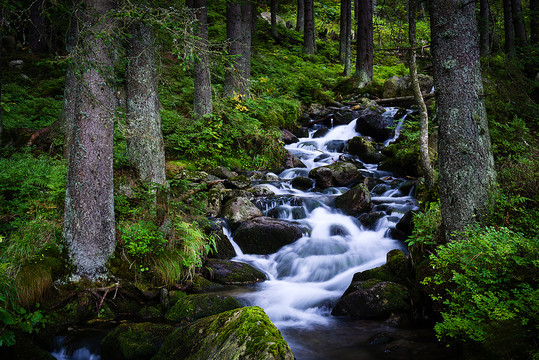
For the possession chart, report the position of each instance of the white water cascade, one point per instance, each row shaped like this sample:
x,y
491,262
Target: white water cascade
x,y
307,277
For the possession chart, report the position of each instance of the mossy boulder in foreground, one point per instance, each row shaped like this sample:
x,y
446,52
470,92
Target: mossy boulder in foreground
x,y
197,306
245,333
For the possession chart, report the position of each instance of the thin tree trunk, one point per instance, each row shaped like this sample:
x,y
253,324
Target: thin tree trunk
x,y
309,32
484,33
246,15
508,28
203,103
254,19
89,224
300,19
145,147
233,33
348,39
518,23
425,163
467,175
534,21
364,70
274,5
342,31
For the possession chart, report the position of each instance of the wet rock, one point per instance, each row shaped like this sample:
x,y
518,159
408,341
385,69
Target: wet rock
x,y
380,189
245,333
355,201
337,174
320,132
302,183
223,246
322,157
292,161
316,110
335,145
288,137
201,284
223,172
232,272
396,269
406,224
369,219
264,235
407,186
344,117
363,149
239,210
396,234
196,306
373,124
134,341
214,200
371,182
302,132
238,182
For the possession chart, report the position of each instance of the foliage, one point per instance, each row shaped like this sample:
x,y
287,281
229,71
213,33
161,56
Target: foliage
x,y
142,240
427,225
486,284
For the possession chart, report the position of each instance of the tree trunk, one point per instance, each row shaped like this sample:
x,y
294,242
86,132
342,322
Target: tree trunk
x,y
36,28
534,21
89,228
484,33
274,4
246,15
300,16
145,147
465,155
348,38
203,104
518,23
342,31
508,27
233,73
254,18
425,163
309,46
364,71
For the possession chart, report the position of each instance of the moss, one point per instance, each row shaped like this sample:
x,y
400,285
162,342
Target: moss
x,y
196,306
134,341
245,333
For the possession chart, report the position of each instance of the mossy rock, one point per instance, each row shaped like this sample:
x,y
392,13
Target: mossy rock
x,y
264,235
232,272
239,210
363,149
196,306
355,201
138,341
150,313
245,333
336,174
201,284
396,269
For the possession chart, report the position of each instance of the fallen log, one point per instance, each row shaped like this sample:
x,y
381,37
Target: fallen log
x,y
401,99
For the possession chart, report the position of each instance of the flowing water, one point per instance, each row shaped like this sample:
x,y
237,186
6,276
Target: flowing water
x,y
306,278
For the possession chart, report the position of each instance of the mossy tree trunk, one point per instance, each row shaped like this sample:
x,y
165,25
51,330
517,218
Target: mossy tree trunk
x,y
238,31
425,162
145,146
89,228
300,17
467,173
309,46
365,46
484,33
203,103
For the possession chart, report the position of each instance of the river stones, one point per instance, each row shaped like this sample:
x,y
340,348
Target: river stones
x,y
196,306
292,161
246,333
373,124
363,149
344,116
302,183
232,272
355,201
238,182
134,341
264,235
288,137
238,210
337,174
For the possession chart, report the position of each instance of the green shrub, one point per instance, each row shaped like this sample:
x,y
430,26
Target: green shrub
x,y
486,284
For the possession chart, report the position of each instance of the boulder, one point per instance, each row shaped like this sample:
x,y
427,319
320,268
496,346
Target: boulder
x,y
369,219
355,201
401,86
238,182
266,16
223,246
406,224
336,174
376,125
288,137
363,149
134,341
320,132
214,199
196,306
239,210
223,172
246,333
371,182
264,235
396,269
302,183
292,162
302,132
344,117
335,145
232,272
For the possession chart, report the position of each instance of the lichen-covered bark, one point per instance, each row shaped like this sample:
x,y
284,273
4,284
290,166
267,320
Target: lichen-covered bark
x,y
89,228
203,104
238,31
364,71
145,147
309,46
465,156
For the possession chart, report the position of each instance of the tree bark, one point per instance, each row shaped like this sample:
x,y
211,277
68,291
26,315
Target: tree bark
x,y
518,23
203,102
534,21
364,70
309,46
300,19
145,146
508,28
348,39
425,163
238,29
484,29
89,228
246,15
274,4
467,174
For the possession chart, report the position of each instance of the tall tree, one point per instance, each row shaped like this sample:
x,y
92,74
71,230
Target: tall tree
x,y
89,228
203,97
238,31
274,5
465,155
534,21
484,29
309,45
37,28
300,18
518,23
145,146
425,162
508,27
365,46
345,36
